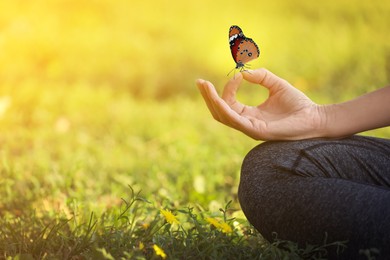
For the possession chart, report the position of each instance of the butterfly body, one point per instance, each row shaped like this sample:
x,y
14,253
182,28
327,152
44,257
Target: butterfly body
x,y
243,49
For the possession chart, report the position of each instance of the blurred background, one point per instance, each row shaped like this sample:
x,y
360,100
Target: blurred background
x,y
98,94
158,48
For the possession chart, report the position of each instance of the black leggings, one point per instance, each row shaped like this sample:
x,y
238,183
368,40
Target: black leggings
x,y
303,190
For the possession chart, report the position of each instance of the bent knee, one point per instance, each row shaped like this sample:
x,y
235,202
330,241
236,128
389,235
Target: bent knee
x,y
260,167
263,167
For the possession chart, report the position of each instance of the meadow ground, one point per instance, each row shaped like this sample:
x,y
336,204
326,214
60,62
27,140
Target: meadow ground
x,y
108,151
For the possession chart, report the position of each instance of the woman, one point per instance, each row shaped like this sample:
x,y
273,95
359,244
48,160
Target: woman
x,y
313,179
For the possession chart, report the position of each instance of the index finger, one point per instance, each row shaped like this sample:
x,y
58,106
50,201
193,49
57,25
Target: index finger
x,y
230,91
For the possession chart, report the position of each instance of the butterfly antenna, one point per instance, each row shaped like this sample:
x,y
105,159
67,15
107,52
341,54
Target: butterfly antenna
x,y
231,72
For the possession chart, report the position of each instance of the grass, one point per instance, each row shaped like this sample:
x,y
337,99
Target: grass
x,y
136,230
72,176
98,103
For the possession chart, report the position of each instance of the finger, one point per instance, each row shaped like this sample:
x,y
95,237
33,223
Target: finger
x,y
227,115
230,91
231,87
233,119
220,110
208,92
265,78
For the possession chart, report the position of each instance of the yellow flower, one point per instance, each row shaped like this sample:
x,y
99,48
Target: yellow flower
x,y
226,228
145,225
213,222
169,217
159,251
141,246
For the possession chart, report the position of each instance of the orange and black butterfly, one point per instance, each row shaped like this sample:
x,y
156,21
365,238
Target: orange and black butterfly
x,y
243,49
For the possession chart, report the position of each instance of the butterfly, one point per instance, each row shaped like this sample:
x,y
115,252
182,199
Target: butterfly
x,y
243,49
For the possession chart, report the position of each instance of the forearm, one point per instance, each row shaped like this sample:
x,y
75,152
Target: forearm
x,y
366,112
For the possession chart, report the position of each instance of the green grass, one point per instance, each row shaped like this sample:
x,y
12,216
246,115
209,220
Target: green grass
x,y
132,231
73,166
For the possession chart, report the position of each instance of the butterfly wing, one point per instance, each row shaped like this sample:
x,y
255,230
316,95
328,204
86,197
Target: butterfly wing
x,y
235,37
247,50
235,30
235,47
243,49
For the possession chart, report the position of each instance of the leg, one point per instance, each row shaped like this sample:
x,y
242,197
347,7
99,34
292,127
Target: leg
x,y
304,189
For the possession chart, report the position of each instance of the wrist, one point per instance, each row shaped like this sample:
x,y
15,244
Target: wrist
x,y
337,121
324,114
327,115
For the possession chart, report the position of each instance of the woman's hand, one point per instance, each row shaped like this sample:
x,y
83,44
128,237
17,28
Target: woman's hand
x,y
287,114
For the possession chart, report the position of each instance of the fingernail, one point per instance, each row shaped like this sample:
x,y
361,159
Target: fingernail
x,y
200,81
237,76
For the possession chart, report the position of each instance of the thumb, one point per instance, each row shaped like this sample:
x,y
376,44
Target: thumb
x,y
264,77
